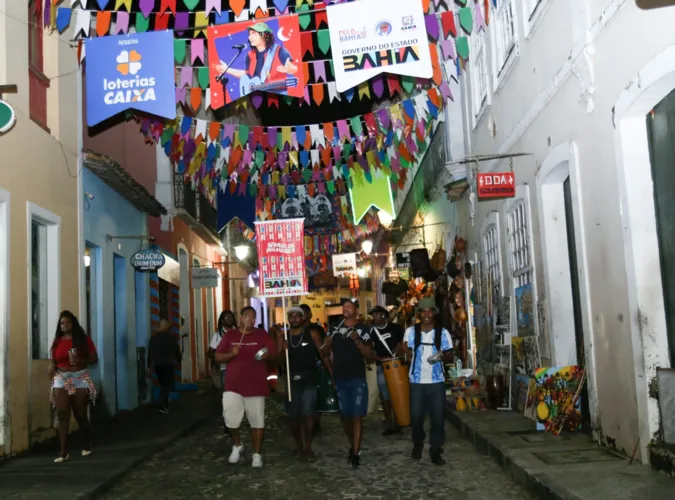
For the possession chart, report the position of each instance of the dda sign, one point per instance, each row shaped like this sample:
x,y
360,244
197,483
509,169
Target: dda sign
x,y
496,185
205,277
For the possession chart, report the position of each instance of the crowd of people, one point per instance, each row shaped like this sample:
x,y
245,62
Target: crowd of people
x,y
243,355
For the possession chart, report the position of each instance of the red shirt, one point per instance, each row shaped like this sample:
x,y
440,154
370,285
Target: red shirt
x,y
244,374
61,348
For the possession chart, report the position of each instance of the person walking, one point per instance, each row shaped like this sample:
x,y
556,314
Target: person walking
x,y
304,360
429,346
386,337
71,386
246,352
350,344
226,322
163,356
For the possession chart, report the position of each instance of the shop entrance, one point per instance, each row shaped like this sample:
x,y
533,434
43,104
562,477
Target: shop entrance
x,y
661,136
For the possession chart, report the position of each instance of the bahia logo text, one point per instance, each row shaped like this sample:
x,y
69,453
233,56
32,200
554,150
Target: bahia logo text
x,y
130,87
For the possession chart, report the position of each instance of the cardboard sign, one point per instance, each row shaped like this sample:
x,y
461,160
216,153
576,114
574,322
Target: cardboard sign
x,y
496,185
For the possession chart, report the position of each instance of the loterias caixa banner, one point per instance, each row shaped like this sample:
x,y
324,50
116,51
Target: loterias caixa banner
x,y
370,37
263,55
281,257
130,72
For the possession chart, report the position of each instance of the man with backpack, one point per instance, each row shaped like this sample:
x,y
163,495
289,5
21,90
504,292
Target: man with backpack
x,y
429,346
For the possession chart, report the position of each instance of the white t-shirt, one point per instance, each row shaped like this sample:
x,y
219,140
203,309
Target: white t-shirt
x,y
215,340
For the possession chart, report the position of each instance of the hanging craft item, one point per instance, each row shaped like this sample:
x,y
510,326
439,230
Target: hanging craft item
x,y
255,56
396,44
130,72
230,207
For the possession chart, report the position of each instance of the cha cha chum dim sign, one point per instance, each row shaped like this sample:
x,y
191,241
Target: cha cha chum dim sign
x,y
130,72
281,257
148,260
496,185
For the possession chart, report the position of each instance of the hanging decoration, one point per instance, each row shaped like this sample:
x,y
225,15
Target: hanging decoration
x,y
395,44
130,71
255,56
376,194
229,207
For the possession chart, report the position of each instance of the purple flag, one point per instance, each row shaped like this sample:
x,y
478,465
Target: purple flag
x,y
319,71
378,85
186,76
146,7
197,50
432,26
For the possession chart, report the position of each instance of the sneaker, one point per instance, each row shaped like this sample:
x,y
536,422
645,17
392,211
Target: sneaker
x,y
417,451
86,453
165,411
235,456
61,459
437,458
257,460
355,461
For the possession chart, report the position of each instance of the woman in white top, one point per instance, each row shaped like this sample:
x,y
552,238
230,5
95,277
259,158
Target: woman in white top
x,y
226,322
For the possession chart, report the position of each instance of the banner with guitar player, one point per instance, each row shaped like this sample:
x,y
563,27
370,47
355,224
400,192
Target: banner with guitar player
x,y
258,55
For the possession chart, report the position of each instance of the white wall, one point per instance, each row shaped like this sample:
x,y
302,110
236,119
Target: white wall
x,y
572,64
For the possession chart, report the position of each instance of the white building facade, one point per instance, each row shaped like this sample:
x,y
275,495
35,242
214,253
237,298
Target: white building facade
x,y
580,87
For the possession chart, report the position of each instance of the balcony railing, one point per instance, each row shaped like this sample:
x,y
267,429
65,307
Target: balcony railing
x,y
195,209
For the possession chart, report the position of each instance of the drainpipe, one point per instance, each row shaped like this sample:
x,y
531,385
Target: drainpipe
x,y
80,191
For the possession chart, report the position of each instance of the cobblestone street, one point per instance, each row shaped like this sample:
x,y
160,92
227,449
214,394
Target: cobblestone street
x,y
197,467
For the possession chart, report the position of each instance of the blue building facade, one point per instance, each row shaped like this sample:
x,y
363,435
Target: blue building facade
x,y
117,297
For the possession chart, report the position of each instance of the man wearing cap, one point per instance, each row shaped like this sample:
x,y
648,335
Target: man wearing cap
x,y
303,357
267,59
351,345
386,337
430,346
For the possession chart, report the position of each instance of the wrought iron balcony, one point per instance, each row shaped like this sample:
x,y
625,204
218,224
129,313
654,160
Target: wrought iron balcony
x,y
195,210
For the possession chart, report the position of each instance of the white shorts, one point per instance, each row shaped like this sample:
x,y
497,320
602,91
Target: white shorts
x,y
234,406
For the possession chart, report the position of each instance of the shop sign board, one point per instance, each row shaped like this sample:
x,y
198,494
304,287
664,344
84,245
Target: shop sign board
x,y
7,117
204,277
496,185
148,260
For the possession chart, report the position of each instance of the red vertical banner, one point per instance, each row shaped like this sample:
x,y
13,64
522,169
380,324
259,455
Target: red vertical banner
x,y
281,257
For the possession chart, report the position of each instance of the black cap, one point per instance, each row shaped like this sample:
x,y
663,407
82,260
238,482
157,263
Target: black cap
x,y
378,309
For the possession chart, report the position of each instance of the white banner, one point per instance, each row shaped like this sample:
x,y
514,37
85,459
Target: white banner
x,y
344,264
204,277
370,37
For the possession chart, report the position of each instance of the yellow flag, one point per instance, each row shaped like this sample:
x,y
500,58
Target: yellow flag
x,y
126,3
201,19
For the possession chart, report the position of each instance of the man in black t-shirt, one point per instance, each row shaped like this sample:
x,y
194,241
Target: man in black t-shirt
x,y
351,344
386,337
303,355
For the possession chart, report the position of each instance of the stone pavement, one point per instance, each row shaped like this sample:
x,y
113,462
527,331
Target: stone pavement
x,y
196,467
569,467
119,445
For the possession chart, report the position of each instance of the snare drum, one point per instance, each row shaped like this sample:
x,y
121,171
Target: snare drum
x,y
398,383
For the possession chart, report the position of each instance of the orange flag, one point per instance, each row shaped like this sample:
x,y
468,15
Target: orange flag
x,y
195,98
318,93
103,22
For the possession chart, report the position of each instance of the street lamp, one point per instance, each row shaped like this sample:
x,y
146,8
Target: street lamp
x,y
241,251
367,246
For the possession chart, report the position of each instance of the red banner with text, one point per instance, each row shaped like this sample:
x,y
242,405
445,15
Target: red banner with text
x,y
281,257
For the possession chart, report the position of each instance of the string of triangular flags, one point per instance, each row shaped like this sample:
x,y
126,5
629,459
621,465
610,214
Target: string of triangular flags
x,y
285,156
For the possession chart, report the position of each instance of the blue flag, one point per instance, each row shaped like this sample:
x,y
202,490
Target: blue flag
x,y
130,72
229,206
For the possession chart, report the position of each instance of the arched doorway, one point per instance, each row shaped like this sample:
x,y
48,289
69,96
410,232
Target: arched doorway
x,y
186,318
640,206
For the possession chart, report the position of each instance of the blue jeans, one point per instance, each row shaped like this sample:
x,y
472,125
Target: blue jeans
x,y
382,384
352,397
428,398
303,401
